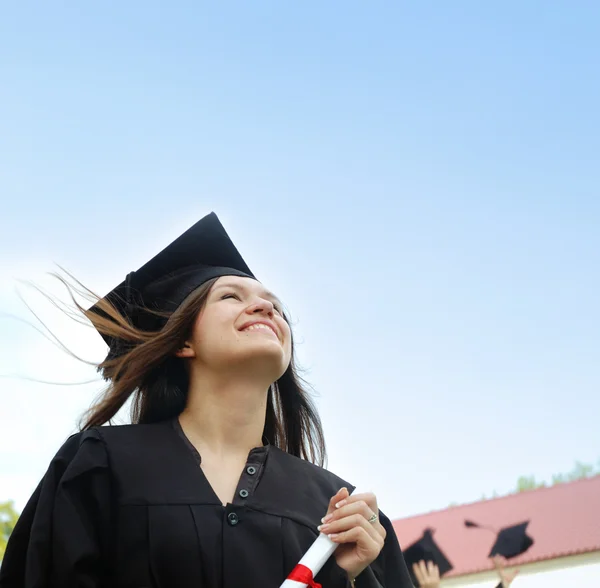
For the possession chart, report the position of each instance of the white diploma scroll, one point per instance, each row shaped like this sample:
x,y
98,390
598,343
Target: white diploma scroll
x,y
311,563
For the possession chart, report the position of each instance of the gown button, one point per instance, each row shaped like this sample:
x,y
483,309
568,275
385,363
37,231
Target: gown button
x,y
251,470
233,519
244,493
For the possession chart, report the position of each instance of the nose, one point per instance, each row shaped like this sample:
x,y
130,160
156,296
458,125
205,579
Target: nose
x,y
261,306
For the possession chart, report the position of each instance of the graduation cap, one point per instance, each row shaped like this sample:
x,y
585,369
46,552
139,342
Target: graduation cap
x,y
202,253
510,541
425,549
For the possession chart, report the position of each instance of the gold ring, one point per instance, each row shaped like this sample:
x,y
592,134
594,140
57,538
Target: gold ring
x,y
372,518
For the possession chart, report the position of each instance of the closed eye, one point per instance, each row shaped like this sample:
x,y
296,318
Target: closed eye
x,y
230,295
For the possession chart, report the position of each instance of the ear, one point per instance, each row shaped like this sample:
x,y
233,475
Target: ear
x,y
185,352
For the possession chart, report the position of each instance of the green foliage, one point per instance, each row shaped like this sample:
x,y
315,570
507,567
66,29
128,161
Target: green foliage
x,y
580,471
8,519
525,483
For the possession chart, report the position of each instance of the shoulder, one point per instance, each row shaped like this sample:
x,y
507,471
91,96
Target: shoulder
x,y
75,444
122,442
81,453
135,450
123,432
96,439
92,447
301,469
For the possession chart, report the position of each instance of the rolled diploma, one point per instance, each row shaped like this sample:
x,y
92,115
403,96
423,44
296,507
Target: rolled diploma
x,y
314,559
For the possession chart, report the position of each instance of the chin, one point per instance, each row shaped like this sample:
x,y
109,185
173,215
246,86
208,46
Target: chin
x,y
272,361
268,358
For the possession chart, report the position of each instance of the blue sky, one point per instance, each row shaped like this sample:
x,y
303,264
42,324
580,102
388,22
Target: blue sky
x,y
417,181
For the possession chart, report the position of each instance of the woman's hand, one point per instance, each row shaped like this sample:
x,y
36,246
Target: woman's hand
x,y
347,523
506,578
427,574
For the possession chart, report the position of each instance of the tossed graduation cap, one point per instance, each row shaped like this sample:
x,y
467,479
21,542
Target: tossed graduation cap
x,y
510,541
203,252
428,550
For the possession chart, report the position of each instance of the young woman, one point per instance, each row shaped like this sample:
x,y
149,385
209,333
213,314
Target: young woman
x,y
218,482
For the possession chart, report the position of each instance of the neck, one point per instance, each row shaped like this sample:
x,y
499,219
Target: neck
x,y
225,416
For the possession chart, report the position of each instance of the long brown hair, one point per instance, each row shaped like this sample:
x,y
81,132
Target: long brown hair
x,y
149,370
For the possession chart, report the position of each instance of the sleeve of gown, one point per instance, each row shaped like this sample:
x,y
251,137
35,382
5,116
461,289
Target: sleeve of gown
x,y
389,569
62,537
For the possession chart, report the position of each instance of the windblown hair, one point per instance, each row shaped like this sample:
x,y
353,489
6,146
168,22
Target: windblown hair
x,y
148,370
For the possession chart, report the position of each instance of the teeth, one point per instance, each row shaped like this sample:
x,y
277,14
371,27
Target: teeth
x,y
257,327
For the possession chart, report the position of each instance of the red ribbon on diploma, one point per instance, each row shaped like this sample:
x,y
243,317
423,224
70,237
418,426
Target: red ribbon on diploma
x,y
303,575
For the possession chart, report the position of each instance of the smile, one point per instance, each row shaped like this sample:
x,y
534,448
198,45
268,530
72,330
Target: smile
x,y
260,327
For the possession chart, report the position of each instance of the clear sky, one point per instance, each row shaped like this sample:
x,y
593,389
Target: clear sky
x,y
417,181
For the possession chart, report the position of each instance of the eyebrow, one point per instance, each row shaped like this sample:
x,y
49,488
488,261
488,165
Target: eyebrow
x,y
265,293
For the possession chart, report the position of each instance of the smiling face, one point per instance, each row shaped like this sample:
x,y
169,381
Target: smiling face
x,y
240,323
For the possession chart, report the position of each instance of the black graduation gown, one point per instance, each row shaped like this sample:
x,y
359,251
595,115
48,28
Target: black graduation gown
x,y
129,507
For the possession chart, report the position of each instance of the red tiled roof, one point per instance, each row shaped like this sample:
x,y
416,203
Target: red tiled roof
x,y
564,520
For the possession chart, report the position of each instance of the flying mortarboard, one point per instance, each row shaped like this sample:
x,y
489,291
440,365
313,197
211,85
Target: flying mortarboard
x,y
510,541
202,253
425,549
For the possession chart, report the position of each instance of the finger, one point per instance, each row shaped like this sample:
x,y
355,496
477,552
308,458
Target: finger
x,y
361,508
423,568
418,573
371,500
356,507
498,563
434,572
348,523
367,497
366,548
341,494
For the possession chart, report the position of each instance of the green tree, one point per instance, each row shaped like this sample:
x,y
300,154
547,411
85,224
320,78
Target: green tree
x,y
8,519
525,483
581,470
